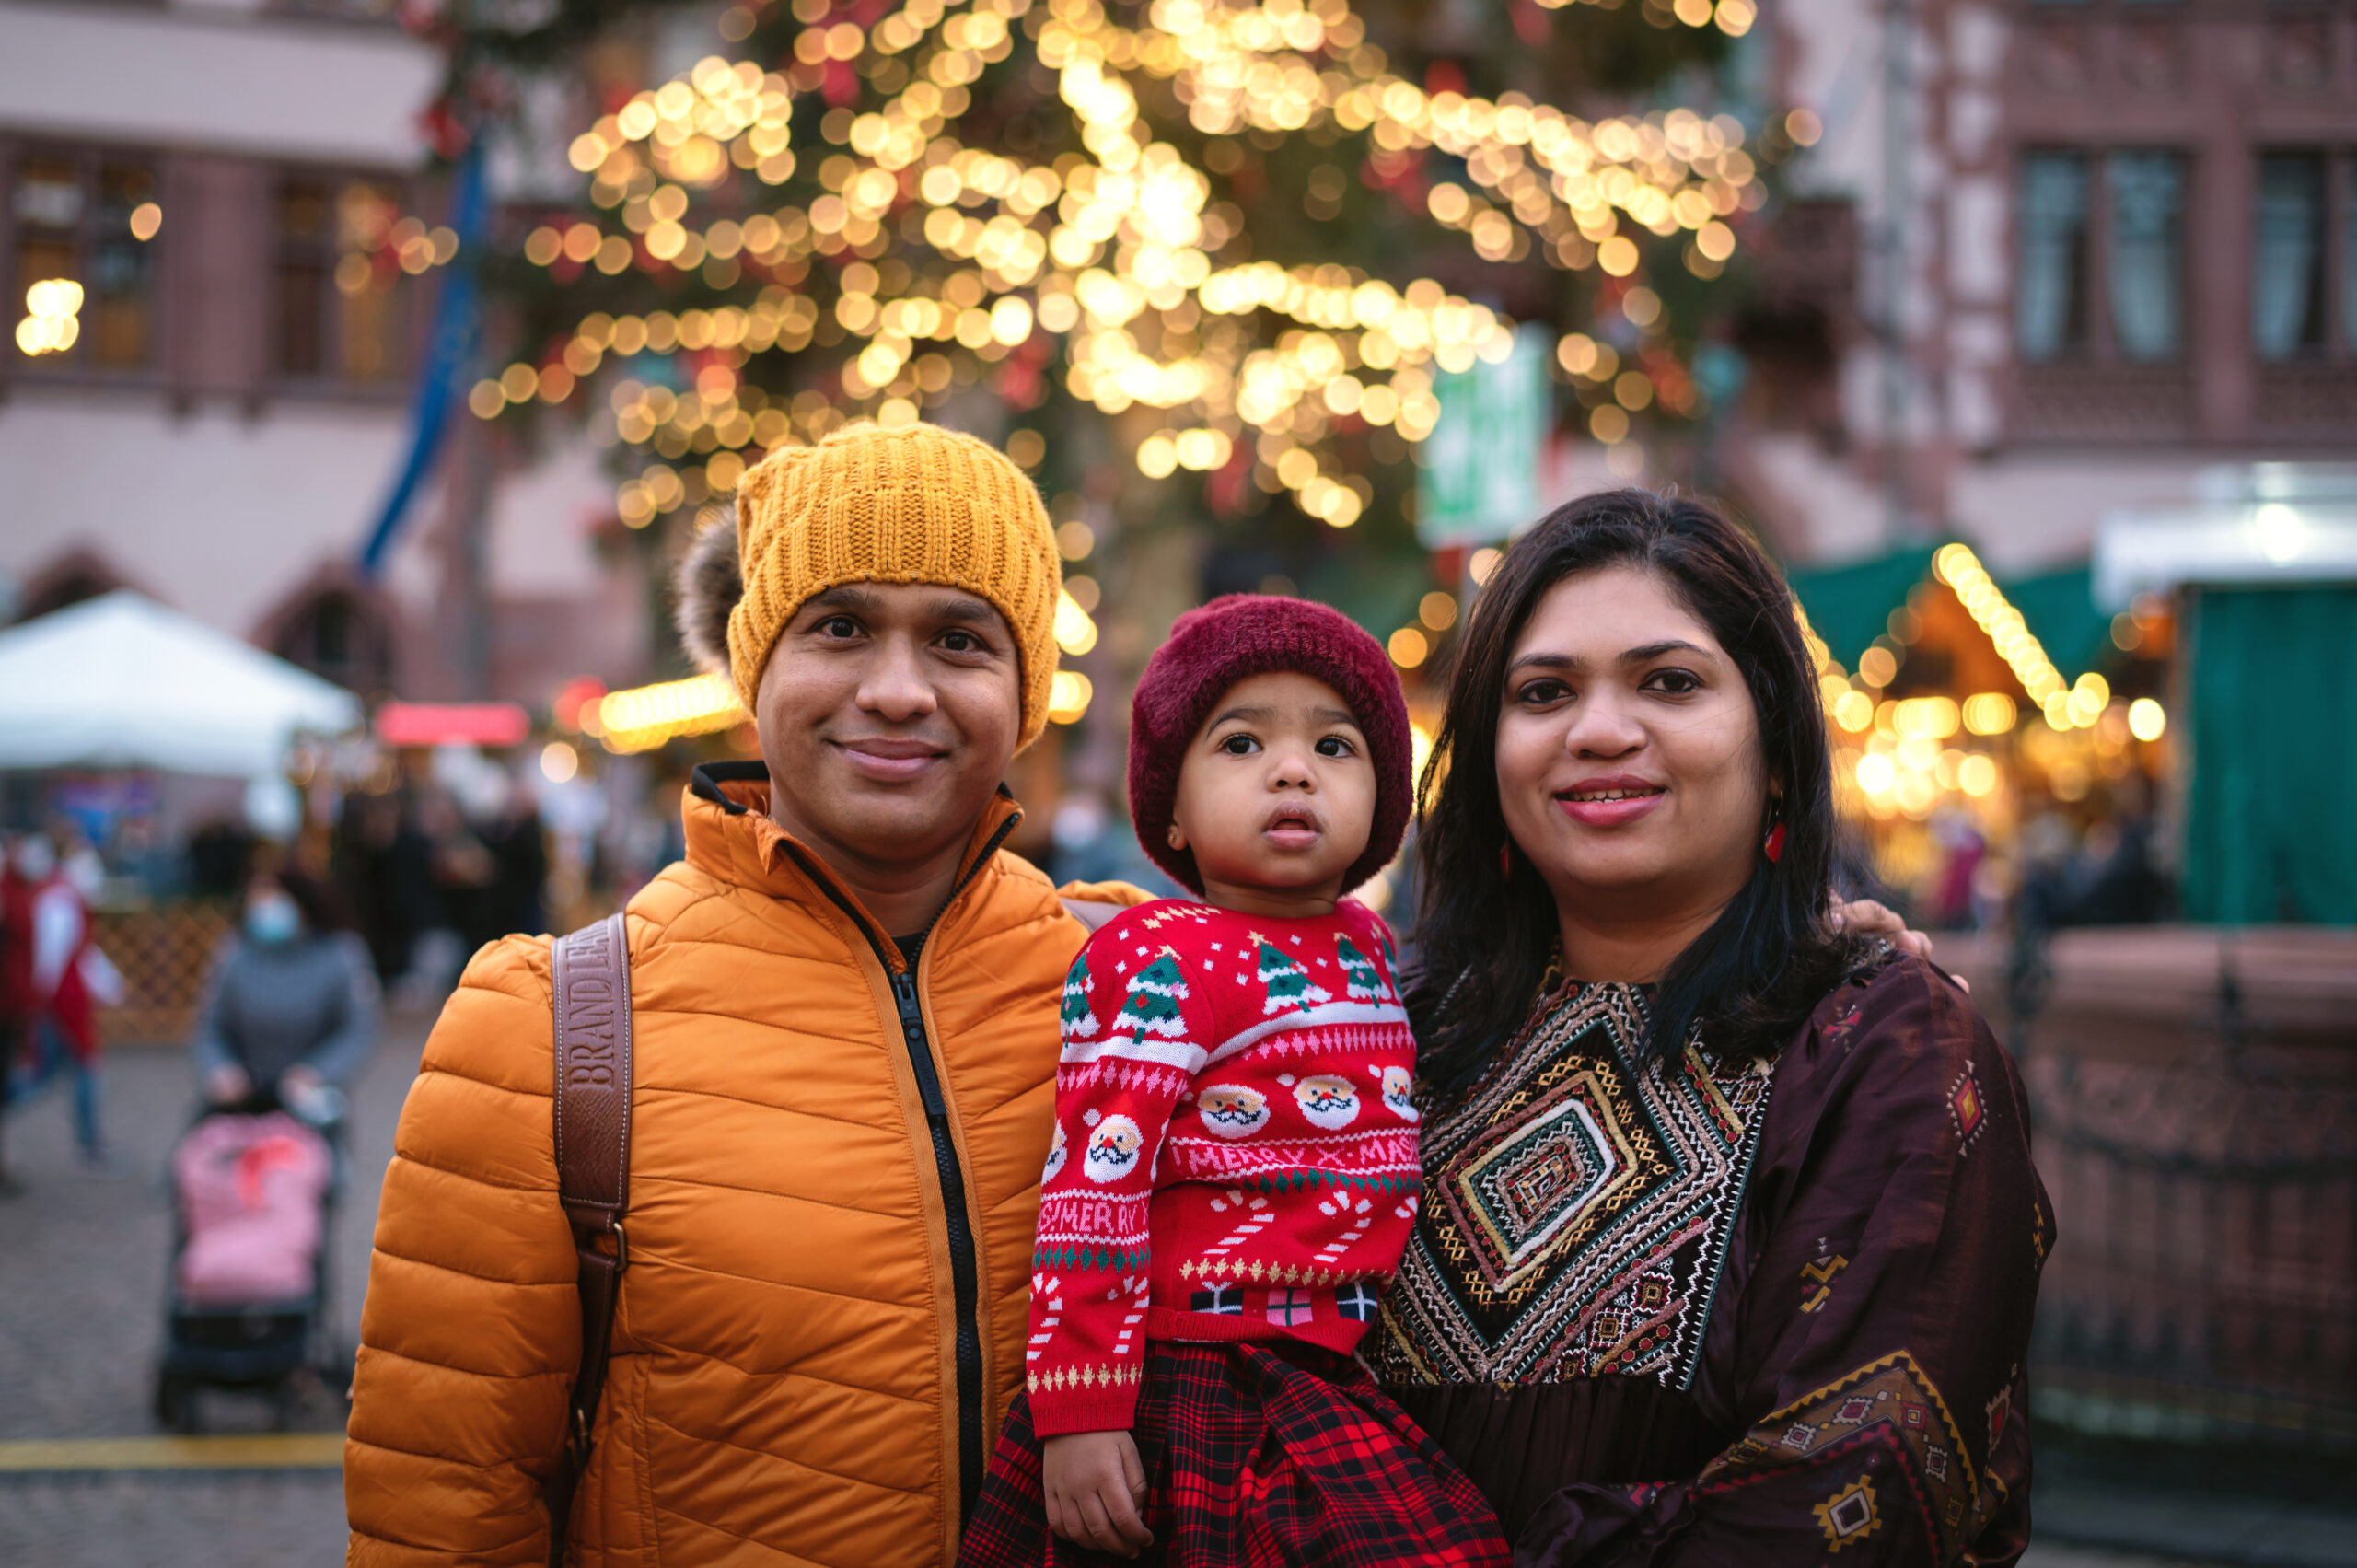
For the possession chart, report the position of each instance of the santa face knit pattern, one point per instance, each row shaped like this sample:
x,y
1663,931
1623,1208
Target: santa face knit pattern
x,y
1235,1154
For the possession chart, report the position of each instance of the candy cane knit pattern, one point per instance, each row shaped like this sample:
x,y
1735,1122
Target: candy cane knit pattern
x,y
1234,1152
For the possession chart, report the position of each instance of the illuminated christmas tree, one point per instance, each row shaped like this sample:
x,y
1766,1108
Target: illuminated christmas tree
x,y
1228,244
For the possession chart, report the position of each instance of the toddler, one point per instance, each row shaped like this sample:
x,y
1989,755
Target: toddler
x,y
1234,1171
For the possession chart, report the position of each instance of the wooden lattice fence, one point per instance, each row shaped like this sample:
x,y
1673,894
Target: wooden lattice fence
x,y
165,954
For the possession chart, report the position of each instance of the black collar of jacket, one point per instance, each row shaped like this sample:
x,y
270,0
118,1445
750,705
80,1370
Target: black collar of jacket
x,y
705,781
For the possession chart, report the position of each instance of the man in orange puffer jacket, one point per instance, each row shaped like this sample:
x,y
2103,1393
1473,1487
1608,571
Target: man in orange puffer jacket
x,y
845,1040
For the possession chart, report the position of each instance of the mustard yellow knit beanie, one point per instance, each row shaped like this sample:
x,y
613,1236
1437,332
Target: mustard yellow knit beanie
x,y
915,505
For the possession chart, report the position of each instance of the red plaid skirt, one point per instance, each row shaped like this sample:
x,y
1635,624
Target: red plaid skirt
x,y
1256,1454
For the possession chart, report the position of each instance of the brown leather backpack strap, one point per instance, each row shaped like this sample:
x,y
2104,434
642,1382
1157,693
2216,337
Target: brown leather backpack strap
x,y
590,970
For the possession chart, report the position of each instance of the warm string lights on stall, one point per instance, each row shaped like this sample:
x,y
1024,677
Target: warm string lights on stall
x,y
644,717
1904,756
1111,250
1902,762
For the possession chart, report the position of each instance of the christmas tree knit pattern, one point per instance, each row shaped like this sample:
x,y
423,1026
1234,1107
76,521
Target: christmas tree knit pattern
x,y
1234,1152
1289,984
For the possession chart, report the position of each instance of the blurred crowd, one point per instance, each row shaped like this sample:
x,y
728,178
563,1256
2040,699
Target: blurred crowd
x,y
390,892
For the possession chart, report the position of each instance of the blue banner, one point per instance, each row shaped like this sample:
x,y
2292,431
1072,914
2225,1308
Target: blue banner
x,y
448,354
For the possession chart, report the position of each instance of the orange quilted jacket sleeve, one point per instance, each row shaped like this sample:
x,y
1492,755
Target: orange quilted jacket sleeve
x,y
471,1329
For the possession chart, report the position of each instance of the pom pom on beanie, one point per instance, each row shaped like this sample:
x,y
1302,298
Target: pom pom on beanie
x,y
1232,639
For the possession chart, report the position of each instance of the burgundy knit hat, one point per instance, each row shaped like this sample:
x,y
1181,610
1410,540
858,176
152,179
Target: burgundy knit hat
x,y
1241,635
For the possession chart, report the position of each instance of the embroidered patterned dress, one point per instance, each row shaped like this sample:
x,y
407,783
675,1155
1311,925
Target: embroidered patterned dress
x,y
1233,1177
1732,1313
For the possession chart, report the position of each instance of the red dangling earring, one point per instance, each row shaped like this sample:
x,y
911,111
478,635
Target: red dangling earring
x,y
1505,861
1775,844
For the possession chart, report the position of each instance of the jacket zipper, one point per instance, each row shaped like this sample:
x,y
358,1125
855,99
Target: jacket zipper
x,y
965,1273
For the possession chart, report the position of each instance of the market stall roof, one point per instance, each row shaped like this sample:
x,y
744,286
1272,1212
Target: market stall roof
x,y
120,681
2253,524
1850,605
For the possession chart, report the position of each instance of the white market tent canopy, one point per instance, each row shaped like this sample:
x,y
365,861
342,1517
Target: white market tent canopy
x,y
120,682
2257,524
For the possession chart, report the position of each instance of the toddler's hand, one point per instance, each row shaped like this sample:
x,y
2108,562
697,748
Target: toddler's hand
x,y
1095,1488
1869,917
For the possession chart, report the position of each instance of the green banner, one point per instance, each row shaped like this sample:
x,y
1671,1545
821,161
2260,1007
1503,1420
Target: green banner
x,y
1479,474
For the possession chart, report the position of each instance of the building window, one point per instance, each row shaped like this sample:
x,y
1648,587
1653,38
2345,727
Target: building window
x,y
338,309
2050,295
2349,253
339,635
2288,296
2101,269
83,268
2145,263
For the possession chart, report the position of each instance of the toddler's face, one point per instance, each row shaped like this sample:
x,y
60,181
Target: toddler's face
x,y
1277,791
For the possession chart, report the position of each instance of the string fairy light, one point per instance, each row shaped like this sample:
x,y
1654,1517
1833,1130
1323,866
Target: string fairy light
x,y
1113,250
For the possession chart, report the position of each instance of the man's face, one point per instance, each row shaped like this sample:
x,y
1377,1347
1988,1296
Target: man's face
x,y
889,714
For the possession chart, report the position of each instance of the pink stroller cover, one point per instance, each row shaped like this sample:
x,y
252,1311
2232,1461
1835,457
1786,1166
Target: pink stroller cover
x,y
250,1189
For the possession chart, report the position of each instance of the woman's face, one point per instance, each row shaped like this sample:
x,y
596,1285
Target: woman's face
x,y
272,915
1627,749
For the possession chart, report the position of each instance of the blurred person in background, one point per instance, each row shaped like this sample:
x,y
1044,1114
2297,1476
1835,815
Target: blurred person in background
x,y
218,853
292,1009
459,873
16,985
510,833
69,978
382,865
140,852
1962,848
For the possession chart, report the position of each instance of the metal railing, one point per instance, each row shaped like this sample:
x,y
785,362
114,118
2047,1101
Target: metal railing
x,y
2204,1287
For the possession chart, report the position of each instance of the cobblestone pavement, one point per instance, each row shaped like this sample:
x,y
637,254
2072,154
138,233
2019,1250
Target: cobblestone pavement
x,y
81,1319
292,1519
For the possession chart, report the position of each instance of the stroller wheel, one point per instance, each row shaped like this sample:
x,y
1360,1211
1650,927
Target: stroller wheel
x,y
175,1402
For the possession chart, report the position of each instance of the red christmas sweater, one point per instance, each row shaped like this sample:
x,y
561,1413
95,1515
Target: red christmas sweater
x,y
1235,1151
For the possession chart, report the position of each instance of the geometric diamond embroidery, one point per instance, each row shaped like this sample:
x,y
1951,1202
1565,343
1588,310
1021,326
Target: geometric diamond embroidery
x,y
1966,1106
1848,1516
1578,1214
1820,1273
1891,1405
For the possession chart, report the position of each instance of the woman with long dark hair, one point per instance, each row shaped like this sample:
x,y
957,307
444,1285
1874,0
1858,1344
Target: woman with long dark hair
x,y
1730,1237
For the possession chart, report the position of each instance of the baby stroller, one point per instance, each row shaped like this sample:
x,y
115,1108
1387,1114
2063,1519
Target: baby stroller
x,y
254,1192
